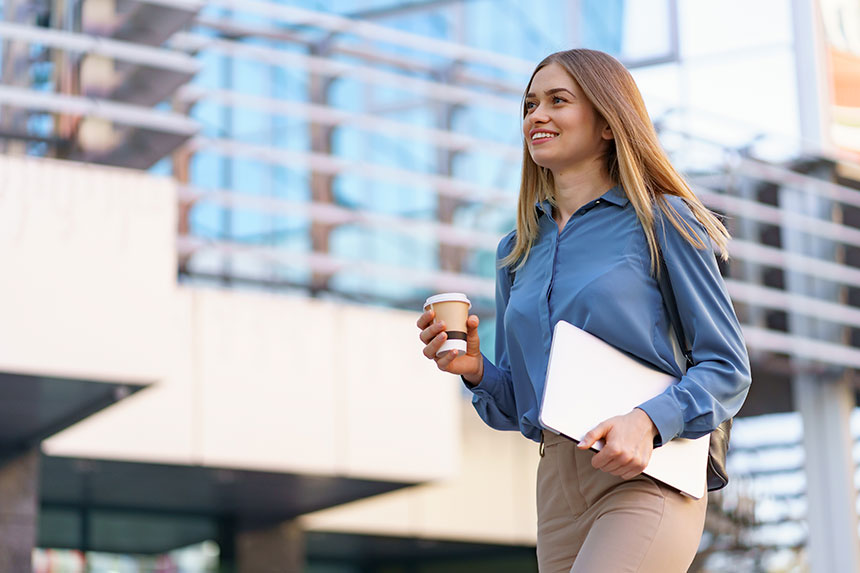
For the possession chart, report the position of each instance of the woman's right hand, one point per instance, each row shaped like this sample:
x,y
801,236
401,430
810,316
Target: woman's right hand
x,y
469,365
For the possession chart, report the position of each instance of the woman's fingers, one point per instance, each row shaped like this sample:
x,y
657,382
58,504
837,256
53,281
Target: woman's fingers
x,y
429,333
596,433
434,345
446,359
629,442
429,329
425,319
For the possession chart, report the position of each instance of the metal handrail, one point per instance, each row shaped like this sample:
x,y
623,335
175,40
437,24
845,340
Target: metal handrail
x,y
329,164
125,114
332,116
159,58
338,24
437,91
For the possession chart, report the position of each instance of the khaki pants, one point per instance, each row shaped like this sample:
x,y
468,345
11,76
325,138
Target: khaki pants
x,y
590,521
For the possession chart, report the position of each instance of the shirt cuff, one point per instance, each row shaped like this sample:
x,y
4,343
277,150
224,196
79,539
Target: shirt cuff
x,y
666,415
491,380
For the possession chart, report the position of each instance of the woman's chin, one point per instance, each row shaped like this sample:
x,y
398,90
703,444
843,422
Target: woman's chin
x,y
545,162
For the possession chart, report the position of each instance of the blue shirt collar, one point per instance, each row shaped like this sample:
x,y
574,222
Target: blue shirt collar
x,y
616,196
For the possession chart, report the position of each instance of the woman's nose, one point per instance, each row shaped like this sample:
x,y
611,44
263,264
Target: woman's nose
x,y
539,115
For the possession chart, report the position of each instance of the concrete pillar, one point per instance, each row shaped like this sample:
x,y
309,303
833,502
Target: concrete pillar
x,y
825,407
278,549
824,397
19,510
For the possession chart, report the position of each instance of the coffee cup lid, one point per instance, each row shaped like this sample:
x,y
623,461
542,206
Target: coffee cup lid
x,y
446,297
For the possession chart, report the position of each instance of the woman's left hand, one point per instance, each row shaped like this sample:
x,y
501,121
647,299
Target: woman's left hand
x,y
629,441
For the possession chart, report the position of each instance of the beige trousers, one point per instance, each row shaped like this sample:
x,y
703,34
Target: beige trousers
x,y
590,521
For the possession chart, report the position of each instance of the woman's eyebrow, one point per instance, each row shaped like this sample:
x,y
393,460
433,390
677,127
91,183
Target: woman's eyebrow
x,y
553,91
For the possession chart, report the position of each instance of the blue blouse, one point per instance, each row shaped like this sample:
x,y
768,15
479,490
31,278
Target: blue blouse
x,y
595,274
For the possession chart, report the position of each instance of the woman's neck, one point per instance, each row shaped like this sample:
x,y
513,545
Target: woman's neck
x,y
576,188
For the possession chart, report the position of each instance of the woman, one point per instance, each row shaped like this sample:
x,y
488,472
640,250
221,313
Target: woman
x,y
599,207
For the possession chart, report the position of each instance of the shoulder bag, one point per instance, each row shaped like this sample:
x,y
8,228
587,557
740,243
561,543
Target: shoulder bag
x,y
719,445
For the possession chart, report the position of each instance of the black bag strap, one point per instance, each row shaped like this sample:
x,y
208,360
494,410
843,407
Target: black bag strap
x,y
665,285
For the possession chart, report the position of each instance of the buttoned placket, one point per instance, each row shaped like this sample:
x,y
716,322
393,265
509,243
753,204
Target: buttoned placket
x,y
556,238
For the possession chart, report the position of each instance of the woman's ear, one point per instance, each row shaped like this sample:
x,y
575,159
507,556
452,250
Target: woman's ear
x,y
607,132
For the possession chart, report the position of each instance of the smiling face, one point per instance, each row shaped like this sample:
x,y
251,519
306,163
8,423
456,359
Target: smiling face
x,y
561,127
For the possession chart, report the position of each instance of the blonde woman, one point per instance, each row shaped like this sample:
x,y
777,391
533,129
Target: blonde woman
x,y
599,206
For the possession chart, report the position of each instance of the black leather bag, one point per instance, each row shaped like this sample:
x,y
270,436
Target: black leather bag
x,y
718,477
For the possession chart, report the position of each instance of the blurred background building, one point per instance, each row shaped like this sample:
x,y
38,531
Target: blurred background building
x,y
220,219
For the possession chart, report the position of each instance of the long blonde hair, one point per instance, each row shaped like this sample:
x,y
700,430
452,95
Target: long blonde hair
x,y
634,159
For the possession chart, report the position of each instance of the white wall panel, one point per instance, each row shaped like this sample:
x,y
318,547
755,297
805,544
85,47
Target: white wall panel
x,y
267,369
293,384
491,499
90,250
401,411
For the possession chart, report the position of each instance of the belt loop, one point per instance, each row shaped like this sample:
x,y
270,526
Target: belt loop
x,y
541,448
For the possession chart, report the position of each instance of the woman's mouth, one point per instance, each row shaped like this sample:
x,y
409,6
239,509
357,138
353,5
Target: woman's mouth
x,y
542,137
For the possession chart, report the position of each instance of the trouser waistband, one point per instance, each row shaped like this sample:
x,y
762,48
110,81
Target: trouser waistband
x,y
548,438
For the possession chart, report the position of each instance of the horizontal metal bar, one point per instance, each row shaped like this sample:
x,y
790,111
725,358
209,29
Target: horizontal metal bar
x,y
772,298
159,58
188,5
232,29
322,163
437,91
794,262
331,214
755,211
459,75
326,115
780,175
326,264
800,347
125,114
376,33
399,9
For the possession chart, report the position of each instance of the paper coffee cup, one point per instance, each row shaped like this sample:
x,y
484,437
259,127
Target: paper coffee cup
x,y
452,308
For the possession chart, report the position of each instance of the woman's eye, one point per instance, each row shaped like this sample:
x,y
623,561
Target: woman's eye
x,y
557,99
530,105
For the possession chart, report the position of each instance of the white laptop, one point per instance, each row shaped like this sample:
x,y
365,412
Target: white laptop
x,y
588,381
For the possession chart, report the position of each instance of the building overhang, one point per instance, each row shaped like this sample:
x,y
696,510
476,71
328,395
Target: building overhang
x,y
133,507
34,407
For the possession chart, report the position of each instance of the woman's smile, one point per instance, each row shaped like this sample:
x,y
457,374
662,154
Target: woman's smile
x,y
539,136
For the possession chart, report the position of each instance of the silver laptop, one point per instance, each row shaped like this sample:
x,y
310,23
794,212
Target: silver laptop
x,y
588,381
